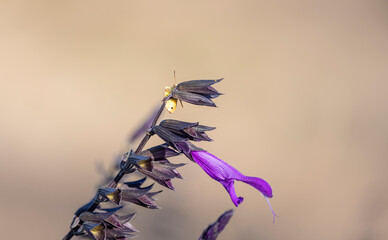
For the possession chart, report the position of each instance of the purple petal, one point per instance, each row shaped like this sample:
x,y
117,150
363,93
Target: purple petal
x,y
215,167
259,184
220,170
229,186
226,174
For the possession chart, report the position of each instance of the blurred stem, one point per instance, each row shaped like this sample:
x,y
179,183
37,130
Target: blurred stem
x,y
99,199
148,136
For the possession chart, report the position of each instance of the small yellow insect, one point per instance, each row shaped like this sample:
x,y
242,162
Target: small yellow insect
x,y
172,102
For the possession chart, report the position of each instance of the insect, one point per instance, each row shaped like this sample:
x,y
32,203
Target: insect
x,y
172,102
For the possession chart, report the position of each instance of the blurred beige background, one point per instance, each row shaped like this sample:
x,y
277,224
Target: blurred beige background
x,y
305,108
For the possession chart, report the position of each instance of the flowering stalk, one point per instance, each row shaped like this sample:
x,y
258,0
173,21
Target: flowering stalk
x,y
97,223
98,199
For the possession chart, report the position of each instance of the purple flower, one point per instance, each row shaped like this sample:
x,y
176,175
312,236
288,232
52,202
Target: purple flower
x,y
226,174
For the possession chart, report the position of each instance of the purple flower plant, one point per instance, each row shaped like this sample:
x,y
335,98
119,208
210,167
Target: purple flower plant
x,y
95,222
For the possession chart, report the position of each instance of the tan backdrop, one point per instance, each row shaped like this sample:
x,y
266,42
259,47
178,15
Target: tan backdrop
x,y
305,108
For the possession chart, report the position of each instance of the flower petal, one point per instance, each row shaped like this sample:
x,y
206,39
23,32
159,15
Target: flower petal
x,y
193,98
257,183
229,186
213,166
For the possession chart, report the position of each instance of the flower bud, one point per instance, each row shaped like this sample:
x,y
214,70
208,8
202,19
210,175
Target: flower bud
x,y
197,92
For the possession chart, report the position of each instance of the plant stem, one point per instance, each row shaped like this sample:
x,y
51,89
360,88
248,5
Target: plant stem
x,y
148,136
118,177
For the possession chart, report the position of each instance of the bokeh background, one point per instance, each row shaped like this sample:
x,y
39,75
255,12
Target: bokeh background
x,y
305,107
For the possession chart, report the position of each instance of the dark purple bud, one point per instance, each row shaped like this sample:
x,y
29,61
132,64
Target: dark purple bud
x,y
144,201
111,194
160,152
193,131
98,217
213,230
148,201
96,231
121,222
147,165
196,135
132,159
162,173
193,98
132,192
173,131
199,86
139,196
166,171
173,124
164,182
198,92
166,135
104,232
